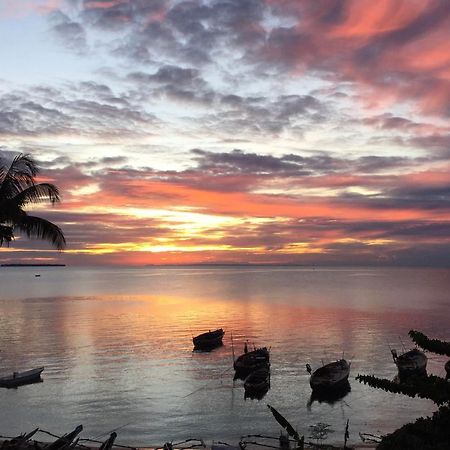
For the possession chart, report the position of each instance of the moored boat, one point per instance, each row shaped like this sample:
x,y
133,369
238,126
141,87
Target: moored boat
x,y
21,378
447,370
259,380
330,376
250,361
208,340
414,361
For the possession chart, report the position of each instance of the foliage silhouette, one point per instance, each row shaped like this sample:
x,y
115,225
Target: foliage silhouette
x,y
431,433
432,345
18,188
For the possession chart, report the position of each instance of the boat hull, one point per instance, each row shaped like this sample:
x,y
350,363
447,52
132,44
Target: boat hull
x,y
251,361
331,376
259,380
412,362
22,378
209,340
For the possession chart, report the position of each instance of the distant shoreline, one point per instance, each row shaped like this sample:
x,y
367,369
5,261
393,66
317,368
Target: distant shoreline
x,y
32,265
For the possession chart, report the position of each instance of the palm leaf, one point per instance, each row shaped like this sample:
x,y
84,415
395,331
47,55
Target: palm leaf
x,y
6,234
38,193
284,423
17,189
36,227
17,176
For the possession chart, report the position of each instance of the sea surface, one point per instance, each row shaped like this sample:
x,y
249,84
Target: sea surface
x,y
116,344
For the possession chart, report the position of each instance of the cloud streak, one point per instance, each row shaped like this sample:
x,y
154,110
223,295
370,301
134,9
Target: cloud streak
x,y
313,132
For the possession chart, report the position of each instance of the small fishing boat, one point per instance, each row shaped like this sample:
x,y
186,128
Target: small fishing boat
x,y
414,361
21,378
209,340
330,376
250,361
259,380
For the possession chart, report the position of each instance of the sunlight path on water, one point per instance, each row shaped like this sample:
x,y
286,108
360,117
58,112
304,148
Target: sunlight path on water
x,y
117,347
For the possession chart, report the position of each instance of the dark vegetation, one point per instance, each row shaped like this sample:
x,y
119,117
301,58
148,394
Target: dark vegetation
x,y
426,433
18,188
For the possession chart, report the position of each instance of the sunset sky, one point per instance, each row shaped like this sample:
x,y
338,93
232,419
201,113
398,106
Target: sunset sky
x,y
233,131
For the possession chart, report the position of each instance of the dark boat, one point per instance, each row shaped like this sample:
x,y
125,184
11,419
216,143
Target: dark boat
x,y
257,383
447,370
414,361
251,361
209,340
21,378
330,376
258,380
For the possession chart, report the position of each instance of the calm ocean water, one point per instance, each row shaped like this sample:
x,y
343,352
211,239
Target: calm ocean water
x,y
116,344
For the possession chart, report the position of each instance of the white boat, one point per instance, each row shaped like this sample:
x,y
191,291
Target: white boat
x,y
410,362
330,376
20,378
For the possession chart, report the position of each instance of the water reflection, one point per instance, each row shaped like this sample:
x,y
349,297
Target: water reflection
x,y
330,397
121,341
256,394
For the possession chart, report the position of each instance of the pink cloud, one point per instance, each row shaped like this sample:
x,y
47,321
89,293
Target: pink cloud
x,y
397,49
20,8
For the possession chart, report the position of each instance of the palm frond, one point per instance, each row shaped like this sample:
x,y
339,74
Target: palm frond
x,y
6,234
38,228
17,176
38,193
10,212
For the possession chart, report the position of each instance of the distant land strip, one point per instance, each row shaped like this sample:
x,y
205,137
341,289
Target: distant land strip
x,y
32,265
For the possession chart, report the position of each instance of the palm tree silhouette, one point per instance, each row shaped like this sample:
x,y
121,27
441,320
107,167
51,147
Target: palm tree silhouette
x,y
18,189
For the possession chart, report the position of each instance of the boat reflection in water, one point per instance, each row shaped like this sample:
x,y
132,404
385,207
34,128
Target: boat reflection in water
x,y
256,395
251,361
257,384
331,396
409,377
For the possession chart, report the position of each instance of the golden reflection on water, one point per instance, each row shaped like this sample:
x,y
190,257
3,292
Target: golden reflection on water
x,y
114,359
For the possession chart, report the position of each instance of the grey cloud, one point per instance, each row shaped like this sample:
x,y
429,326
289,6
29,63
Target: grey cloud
x,y
238,161
70,33
439,142
170,75
82,109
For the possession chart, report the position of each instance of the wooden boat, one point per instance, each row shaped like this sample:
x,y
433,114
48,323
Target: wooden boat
x,y
259,380
21,378
253,360
330,376
209,340
414,361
